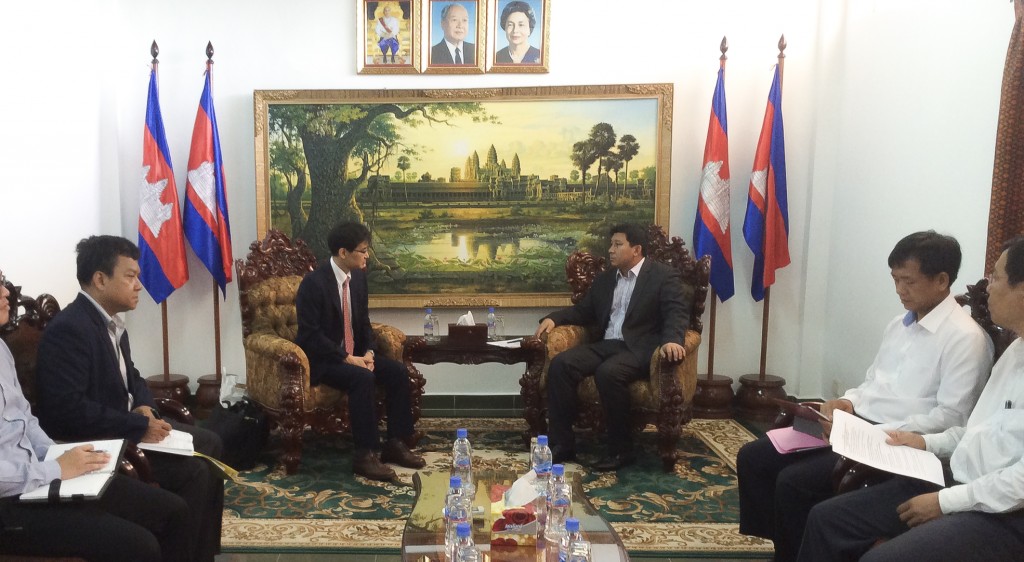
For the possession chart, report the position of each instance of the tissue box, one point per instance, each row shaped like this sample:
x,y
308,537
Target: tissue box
x,y
511,526
467,336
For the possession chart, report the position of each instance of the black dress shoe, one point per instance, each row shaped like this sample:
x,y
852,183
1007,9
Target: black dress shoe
x,y
613,462
366,464
396,451
562,456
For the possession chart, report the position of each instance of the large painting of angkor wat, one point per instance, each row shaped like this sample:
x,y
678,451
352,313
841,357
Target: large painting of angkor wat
x,y
474,197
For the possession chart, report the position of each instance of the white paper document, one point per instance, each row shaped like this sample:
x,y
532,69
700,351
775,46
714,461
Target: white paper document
x,y
509,344
90,485
861,441
176,443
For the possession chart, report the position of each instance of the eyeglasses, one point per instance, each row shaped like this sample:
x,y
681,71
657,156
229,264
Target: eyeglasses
x,y
365,251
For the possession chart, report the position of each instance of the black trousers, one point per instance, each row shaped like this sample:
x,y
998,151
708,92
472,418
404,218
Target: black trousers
x,y
847,527
192,479
778,491
613,367
132,522
361,386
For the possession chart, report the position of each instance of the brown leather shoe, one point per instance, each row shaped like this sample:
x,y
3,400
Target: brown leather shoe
x,y
366,464
396,451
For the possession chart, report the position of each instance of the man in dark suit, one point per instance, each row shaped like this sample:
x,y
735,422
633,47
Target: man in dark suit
x,y
453,49
637,304
89,387
334,331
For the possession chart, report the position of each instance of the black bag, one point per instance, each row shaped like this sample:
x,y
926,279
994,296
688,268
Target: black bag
x,y
244,429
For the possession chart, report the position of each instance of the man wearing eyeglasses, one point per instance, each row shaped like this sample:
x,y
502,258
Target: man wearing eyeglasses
x,y
334,330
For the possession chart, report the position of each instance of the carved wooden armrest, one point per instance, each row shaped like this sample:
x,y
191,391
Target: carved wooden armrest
x,y
785,419
135,464
390,340
666,374
170,408
274,366
560,339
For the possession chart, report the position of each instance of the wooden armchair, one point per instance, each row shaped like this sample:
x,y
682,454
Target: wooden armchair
x,y
849,475
22,333
665,398
277,370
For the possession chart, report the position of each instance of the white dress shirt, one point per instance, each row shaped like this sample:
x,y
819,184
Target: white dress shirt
x,y
928,373
22,442
461,46
988,454
115,329
624,285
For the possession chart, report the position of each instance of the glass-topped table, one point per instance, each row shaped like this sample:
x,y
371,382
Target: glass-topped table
x,y
423,539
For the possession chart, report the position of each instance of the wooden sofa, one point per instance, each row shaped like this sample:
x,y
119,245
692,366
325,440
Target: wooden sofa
x,y
277,370
665,399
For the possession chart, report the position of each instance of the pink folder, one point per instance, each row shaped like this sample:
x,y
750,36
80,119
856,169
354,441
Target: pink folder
x,y
788,440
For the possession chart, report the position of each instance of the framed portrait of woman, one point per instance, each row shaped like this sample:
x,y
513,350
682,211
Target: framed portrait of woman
x,y
457,35
389,37
521,31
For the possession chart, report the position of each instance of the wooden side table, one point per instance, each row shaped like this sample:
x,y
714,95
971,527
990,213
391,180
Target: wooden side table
x,y
531,351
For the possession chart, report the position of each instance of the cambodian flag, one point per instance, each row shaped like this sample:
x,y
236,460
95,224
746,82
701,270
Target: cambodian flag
x,y
206,205
161,242
711,234
766,225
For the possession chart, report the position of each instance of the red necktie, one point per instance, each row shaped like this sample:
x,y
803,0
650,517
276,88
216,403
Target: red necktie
x,y
346,313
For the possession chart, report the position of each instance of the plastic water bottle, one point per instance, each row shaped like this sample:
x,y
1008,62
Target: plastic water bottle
x,y
462,460
579,551
457,510
572,534
429,329
540,460
492,333
559,503
465,549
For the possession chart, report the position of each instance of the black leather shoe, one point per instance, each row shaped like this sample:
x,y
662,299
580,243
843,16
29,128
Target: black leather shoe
x,y
367,465
613,462
395,451
562,456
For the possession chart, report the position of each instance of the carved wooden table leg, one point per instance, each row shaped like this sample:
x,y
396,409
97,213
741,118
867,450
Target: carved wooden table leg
x,y
533,403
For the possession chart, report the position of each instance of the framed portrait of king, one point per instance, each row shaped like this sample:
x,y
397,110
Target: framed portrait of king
x,y
389,37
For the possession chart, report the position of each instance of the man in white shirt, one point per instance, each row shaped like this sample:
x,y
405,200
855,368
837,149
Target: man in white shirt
x,y
927,375
979,515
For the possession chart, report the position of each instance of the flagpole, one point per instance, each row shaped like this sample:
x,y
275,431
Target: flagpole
x,y
208,393
754,398
166,385
714,395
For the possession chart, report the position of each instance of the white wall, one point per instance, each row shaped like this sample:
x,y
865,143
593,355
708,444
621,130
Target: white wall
x,y
890,111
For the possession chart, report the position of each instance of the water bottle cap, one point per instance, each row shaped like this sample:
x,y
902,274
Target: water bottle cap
x,y
490,309
572,525
462,529
430,310
461,433
455,482
542,440
558,469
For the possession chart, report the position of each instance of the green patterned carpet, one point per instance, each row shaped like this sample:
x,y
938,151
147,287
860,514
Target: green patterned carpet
x,y
324,508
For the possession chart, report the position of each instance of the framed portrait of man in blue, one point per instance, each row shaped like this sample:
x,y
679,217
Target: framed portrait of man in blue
x,y
389,37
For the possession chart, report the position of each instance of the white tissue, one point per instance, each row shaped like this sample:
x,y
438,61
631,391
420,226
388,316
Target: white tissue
x,y
466,319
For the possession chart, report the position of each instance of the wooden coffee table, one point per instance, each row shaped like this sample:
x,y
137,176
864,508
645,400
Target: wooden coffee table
x,y
423,539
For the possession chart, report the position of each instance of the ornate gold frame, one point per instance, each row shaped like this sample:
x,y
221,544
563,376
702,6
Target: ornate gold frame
x,y
480,36
495,31
412,66
661,93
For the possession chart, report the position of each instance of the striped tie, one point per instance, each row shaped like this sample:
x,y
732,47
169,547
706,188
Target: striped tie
x,y
346,312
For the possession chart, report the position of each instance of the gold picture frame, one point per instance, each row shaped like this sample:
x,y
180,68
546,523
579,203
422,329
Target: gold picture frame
x,y
459,21
388,35
473,196
520,23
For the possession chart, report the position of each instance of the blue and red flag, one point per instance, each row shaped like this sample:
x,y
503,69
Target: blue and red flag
x,y
206,204
766,225
161,241
711,234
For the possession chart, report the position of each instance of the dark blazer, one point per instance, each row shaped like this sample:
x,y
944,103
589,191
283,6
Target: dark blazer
x,y
439,54
657,313
321,329
78,380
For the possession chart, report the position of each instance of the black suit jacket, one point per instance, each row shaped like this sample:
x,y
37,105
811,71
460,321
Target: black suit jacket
x,y
439,54
321,328
78,379
656,314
